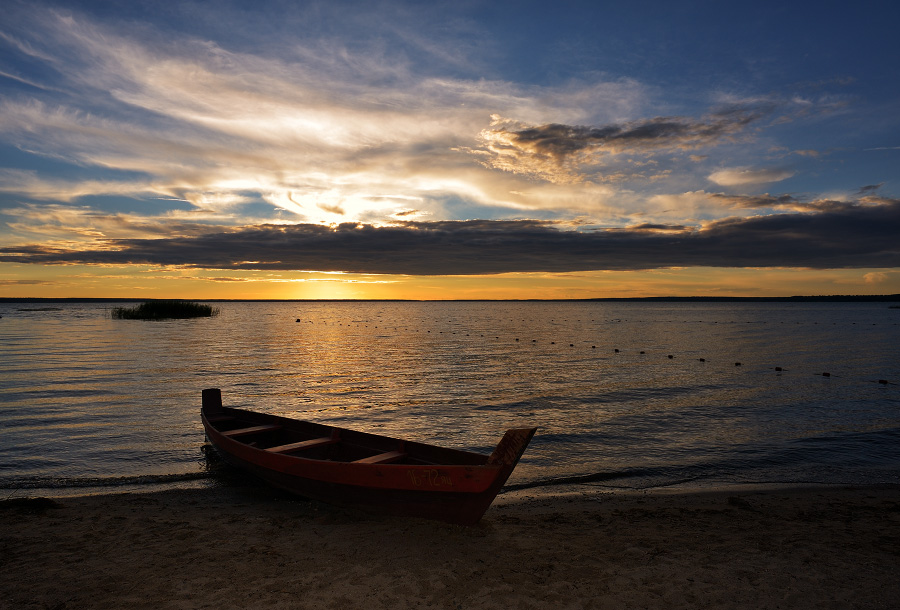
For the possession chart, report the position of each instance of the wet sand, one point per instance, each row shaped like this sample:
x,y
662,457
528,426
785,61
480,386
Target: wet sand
x,y
253,548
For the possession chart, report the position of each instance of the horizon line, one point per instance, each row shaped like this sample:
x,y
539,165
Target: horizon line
x,y
708,298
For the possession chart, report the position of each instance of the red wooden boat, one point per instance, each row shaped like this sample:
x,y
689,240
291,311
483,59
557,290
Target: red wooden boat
x,y
346,467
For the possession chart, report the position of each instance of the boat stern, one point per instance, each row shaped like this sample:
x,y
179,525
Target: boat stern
x,y
212,401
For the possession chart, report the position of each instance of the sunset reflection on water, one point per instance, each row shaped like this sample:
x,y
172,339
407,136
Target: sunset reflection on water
x,y
87,396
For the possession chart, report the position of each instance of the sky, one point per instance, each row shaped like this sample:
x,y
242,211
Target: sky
x,y
448,150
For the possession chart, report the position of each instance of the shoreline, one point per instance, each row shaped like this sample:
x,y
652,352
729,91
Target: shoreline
x,y
582,547
514,492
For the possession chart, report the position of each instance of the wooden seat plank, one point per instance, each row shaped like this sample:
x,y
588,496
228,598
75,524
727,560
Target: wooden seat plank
x,y
301,445
382,458
251,430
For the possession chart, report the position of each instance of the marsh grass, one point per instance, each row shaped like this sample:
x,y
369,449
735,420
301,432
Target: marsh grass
x,y
163,310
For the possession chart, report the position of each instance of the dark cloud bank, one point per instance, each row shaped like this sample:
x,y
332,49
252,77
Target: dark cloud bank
x,y
847,235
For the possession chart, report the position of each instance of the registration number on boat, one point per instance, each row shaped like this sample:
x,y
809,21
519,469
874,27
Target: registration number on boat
x,y
429,478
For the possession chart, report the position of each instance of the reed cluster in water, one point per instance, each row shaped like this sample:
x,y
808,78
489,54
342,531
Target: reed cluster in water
x,y
161,310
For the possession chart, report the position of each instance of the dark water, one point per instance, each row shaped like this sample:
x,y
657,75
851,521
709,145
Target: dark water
x,y
92,404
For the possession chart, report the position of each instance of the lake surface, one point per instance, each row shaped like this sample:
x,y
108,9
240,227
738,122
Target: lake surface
x,y
625,395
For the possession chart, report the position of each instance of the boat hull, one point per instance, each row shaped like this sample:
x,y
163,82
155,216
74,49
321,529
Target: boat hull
x,y
464,508
457,488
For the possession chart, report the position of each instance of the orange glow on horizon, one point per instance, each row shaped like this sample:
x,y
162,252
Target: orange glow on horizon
x,y
25,281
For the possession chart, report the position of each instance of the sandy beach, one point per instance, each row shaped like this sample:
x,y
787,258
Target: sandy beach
x,y
254,548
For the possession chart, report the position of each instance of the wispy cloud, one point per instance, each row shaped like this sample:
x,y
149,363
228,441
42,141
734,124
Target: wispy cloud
x,y
875,277
23,80
740,176
63,224
23,282
563,153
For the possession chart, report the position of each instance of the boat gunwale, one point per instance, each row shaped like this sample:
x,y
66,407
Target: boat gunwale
x,y
258,417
